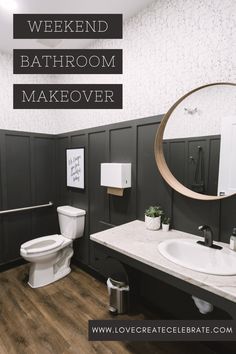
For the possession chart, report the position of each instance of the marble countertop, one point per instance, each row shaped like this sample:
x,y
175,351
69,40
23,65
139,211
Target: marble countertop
x,y
135,241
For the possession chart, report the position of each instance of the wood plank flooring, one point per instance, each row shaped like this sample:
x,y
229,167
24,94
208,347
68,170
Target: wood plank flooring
x,y
54,319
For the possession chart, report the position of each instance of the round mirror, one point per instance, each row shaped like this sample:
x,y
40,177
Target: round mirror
x,y
195,146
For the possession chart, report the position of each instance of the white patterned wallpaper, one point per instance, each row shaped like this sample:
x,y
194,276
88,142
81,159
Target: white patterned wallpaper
x,y
169,48
41,121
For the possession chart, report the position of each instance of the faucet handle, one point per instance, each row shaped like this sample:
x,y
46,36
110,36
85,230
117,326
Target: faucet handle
x,y
203,227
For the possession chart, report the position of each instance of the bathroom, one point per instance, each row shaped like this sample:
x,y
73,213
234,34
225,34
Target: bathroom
x,y
169,48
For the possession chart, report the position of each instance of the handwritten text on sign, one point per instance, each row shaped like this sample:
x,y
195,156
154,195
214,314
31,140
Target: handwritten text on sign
x,y
75,168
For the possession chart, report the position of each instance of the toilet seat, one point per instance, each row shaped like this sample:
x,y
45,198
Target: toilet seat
x,y
43,244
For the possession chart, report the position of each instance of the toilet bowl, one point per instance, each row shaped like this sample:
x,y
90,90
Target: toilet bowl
x,y
50,255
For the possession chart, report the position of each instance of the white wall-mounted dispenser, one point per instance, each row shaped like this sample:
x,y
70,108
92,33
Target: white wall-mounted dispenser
x,y
116,177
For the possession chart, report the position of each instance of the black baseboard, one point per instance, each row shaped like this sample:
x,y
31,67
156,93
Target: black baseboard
x,y
91,271
12,264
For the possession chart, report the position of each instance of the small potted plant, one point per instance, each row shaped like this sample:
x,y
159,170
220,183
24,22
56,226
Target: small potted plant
x,y
153,217
165,223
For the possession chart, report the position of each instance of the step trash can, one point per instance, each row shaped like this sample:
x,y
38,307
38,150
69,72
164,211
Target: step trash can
x,y
118,296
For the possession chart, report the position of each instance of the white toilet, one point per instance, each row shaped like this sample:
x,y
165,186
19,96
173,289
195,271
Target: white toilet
x,y
50,255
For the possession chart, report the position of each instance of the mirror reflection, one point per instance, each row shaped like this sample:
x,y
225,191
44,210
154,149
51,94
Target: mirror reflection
x,y
200,141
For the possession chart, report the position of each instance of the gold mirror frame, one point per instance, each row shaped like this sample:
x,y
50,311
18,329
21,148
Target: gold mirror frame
x,y
160,158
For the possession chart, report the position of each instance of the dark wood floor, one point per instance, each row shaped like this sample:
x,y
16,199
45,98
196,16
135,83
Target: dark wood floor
x,y
54,319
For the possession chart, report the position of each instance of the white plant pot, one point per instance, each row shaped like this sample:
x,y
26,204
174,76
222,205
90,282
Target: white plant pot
x,y
152,223
165,227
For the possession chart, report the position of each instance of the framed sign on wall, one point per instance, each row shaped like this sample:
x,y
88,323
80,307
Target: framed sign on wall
x,y
75,167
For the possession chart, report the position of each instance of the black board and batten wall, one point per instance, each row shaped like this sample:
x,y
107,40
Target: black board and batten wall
x,y
194,161
27,173
33,171
132,141
113,143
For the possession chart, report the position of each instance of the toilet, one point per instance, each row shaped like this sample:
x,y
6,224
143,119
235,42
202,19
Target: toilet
x,y
50,255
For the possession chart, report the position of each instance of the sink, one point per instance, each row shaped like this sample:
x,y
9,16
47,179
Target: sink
x,y
189,254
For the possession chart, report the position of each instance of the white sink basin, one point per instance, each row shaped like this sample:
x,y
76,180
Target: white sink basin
x,y
189,254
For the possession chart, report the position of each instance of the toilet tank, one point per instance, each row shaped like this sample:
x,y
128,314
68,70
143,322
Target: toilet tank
x,y
71,221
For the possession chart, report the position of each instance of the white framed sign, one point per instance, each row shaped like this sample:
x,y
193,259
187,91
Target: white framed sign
x,y
75,168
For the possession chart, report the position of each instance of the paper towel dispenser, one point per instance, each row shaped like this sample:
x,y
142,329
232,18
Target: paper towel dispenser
x,y
116,176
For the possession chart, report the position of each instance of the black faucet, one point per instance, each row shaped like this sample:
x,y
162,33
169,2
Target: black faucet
x,y
208,237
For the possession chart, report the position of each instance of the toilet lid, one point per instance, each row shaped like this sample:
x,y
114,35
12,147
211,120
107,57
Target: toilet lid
x,y
42,244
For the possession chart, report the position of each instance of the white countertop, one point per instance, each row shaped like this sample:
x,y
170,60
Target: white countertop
x,y
135,241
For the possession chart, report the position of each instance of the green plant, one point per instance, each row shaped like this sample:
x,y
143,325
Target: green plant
x,y
154,211
166,220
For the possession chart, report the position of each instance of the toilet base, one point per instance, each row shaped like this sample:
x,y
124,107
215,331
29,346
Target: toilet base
x,y
42,274
34,284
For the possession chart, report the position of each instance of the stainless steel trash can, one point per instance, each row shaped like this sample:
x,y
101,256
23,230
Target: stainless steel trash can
x,y
118,296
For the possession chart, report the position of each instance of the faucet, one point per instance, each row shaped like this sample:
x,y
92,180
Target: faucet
x,y
208,237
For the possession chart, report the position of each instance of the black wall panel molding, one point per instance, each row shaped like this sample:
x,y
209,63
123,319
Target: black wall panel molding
x,y
32,170
132,141
98,200
18,227
27,170
111,143
151,188
182,155
3,193
123,149
79,199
